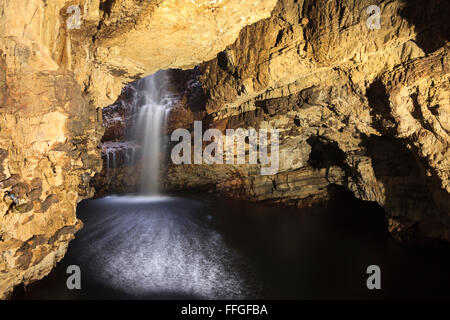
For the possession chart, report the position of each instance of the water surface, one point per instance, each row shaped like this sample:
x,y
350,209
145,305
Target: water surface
x,y
198,248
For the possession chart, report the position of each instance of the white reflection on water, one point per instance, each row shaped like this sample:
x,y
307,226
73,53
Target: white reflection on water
x,y
147,246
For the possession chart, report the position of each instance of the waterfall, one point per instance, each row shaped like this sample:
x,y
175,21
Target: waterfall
x,y
114,166
152,105
107,160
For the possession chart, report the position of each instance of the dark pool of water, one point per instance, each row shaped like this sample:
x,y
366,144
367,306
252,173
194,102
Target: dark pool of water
x,y
198,248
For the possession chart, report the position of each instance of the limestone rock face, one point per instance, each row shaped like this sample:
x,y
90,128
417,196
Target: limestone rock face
x,y
62,61
367,109
137,38
46,164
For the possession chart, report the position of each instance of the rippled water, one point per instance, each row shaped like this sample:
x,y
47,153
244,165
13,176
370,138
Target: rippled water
x,y
162,246
168,247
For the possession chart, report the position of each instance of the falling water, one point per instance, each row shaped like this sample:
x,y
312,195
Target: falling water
x,y
107,160
152,104
114,160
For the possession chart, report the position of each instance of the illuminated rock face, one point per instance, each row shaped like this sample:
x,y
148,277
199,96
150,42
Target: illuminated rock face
x,y
364,108
61,62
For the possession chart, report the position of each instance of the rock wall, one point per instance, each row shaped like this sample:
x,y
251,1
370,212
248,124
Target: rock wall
x,y
364,108
62,61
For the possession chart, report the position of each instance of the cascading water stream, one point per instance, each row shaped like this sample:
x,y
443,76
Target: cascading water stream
x,y
152,106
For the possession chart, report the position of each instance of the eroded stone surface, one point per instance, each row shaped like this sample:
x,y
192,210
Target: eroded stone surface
x,y
365,109
54,80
